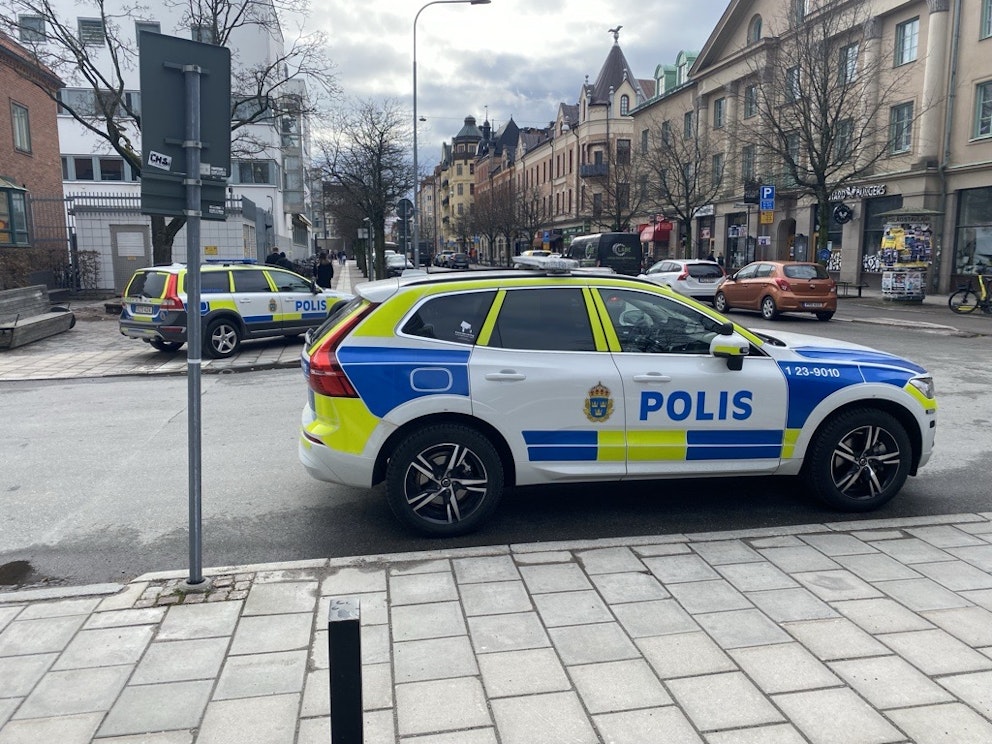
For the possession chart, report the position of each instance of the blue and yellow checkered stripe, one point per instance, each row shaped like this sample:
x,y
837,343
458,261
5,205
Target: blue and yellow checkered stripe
x,y
657,445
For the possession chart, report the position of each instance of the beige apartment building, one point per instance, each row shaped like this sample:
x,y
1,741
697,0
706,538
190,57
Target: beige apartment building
x,y
926,66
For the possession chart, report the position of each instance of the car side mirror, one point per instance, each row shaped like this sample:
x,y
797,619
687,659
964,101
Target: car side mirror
x,y
731,346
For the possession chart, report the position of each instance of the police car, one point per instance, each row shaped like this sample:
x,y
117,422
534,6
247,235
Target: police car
x,y
450,388
238,300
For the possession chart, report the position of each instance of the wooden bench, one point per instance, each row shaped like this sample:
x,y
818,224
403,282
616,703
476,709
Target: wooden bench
x,y
848,286
27,314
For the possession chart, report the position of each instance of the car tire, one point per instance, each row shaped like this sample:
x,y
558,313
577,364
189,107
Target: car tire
x,y
768,309
222,338
165,346
858,460
825,316
720,302
427,480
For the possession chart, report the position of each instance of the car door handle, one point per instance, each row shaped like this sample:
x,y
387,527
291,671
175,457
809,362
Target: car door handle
x,y
652,377
506,375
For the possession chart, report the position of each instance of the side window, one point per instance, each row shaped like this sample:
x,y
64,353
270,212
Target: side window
x,y
212,282
647,323
545,319
452,317
765,270
288,282
748,272
250,281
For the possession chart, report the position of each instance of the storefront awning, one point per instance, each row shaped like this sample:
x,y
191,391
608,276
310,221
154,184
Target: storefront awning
x,y
657,232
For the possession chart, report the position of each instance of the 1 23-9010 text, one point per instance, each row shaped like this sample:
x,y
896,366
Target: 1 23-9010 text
x,y
804,371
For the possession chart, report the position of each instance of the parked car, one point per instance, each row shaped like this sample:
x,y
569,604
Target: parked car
x,y
238,300
441,259
449,387
695,278
396,264
773,287
458,261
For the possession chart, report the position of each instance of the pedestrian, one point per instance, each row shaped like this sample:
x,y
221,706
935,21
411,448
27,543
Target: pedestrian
x,y
284,262
273,258
324,271
711,257
341,257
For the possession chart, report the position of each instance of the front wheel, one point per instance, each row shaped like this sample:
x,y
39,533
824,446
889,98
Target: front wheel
x,y
444,480
222,339
825,316
720,302
963,301
858,460
768,309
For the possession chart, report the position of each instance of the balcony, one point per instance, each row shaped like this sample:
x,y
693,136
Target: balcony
x,y
594,170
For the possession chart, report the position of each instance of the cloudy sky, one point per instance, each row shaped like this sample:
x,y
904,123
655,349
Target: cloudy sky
x,y
517,58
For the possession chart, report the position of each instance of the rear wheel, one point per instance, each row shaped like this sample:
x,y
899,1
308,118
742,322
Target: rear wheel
x,y
768,309
858,460
444,480
720,302
826,315
963,301
167,346
222,339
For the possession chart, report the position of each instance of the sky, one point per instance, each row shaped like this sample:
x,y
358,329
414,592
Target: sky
x,y
518,58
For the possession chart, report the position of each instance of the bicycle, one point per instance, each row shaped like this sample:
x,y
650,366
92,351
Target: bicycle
x,y
966,300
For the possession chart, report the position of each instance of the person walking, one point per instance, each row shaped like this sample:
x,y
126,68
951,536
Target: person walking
x,y
273,258
323,272
285,262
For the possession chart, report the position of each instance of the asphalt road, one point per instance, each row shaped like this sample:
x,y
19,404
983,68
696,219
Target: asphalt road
x,y
95,484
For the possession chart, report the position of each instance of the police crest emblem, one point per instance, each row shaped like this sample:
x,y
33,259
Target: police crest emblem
x,y
272,306
599,404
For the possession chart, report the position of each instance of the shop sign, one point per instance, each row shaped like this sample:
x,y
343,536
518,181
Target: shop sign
x,y
858,192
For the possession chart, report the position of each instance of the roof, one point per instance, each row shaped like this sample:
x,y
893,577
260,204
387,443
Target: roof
x,y
612,74
25,63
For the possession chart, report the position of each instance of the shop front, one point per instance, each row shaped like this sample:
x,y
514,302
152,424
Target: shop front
x,y
973,233
705,232
656,240
740,244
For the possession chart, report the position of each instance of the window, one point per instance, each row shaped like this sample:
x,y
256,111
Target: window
x,y
84,168
845,137
748,166
986,31
718,112
624,105
647,323
86,102
792,84
597,205
460,189
111,169
91,31
286,282
203,34
255,171
983,110
717,172
31,28
750,101
754,30
623,196
623,152
21,126
798,11
564,321
250,281
847,68
151,27
666,132
687,124
215,282
458,170
900,127
644,141
455,317
907,36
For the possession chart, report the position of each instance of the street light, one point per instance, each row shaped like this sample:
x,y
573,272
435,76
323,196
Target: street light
x,y
416,170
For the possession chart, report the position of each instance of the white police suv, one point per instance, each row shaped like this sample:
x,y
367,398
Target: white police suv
x,y
452,387
238,300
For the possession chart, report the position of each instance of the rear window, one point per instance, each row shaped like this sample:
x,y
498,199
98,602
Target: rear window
x,y
805,271
213,282
147,284
337,313
455,317
704,271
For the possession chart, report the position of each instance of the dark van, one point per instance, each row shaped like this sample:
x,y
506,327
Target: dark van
x,y
619,251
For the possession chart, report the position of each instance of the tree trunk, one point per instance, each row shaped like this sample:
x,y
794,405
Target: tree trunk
x,y
163,235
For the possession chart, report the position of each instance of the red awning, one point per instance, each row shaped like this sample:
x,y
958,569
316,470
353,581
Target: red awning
x,y
657,232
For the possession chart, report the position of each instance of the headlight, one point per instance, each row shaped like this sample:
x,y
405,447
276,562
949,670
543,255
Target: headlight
x,y
925,386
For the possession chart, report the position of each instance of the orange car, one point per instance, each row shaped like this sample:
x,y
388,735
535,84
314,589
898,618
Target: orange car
x,y
774,287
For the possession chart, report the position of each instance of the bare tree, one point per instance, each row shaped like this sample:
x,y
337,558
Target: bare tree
x,y
822,101
683,175
261,92
530,214
367,157
616,181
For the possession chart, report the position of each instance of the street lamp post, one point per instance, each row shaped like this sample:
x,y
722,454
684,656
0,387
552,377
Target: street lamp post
x,y
416,170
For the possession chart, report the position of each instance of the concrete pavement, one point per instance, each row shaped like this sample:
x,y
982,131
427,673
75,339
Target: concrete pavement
x,y
864,632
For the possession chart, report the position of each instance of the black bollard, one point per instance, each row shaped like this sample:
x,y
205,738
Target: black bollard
x,y
344,649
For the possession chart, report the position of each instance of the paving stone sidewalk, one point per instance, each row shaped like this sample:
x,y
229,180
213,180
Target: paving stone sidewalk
x,y
863,632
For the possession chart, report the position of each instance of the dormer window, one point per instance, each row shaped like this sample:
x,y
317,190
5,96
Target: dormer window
x,y
624,105
754,30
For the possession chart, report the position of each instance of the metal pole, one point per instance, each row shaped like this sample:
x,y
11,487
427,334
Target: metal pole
x,y
344,653
194,344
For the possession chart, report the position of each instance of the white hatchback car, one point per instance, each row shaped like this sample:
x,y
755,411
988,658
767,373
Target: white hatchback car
x,y
696,278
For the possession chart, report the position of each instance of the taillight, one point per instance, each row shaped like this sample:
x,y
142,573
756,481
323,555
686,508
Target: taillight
x,y
171,300
684,275
326,377
783,284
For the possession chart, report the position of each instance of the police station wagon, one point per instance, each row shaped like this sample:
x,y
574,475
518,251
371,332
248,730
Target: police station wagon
x,y
450,388
238,301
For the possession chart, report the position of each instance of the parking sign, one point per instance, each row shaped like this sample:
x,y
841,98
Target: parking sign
x,y
767,192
